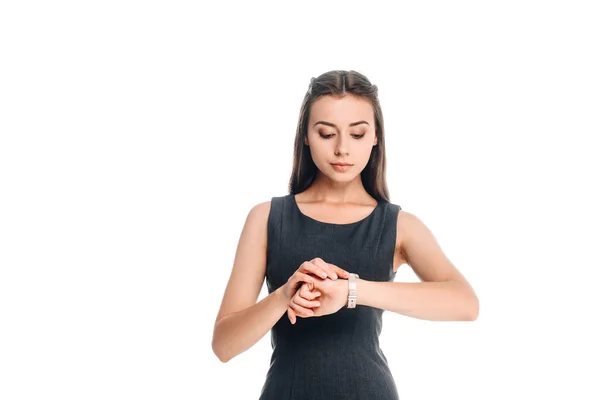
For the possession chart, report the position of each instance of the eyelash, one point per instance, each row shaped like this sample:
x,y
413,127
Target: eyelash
x,y
330,135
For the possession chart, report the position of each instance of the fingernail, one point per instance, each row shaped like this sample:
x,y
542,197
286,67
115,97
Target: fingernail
x,y
323,274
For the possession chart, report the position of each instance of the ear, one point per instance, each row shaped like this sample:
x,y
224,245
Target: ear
x,y
305,140
375,144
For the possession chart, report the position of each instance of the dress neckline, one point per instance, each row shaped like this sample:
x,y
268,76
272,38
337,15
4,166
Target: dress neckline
x,y
379,203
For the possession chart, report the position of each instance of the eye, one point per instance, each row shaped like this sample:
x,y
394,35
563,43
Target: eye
x,y
330,135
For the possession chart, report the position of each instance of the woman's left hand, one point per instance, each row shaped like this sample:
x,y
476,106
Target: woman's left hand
x,y
333,296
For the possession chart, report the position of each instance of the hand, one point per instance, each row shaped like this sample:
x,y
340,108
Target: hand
x,y
303,302
320,298
316,267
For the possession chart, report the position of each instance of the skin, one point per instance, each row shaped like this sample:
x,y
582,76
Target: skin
x,y
336,197
443,294
322,297
316,277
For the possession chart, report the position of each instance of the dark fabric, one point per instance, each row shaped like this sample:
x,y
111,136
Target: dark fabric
x,y
336,356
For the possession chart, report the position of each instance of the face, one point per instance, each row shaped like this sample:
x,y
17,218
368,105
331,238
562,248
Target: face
x,y
341,130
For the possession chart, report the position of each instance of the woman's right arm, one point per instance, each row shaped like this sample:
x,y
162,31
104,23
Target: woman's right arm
x,y
241,321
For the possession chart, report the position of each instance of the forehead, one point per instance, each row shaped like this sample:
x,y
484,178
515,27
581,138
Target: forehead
x,y
341,109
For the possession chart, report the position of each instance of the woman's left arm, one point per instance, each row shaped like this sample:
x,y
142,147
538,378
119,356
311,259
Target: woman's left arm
x,y
443,293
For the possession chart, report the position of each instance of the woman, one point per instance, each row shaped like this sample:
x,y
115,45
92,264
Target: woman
x,y
337,221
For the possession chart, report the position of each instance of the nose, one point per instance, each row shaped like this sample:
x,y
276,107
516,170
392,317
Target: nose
x,y
341,146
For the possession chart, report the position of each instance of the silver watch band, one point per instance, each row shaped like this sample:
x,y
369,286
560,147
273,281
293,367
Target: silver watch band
x,y
352,290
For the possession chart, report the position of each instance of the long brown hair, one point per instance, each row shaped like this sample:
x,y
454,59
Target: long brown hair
x,y
340,83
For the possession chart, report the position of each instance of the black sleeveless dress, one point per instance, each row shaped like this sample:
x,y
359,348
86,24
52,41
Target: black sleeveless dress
x,y
336,356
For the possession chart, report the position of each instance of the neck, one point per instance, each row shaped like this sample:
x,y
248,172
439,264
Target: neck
x,y
326,190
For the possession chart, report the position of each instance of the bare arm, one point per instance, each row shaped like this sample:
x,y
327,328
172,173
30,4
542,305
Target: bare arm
x,y
237,332
241,321
433,301
443,293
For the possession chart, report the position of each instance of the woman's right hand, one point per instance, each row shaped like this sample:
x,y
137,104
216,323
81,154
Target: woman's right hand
x,y
307,273
303,302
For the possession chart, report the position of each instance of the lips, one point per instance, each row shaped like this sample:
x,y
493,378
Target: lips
x,y
342,164
341,167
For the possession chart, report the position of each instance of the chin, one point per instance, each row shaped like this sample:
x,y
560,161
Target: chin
x,y
345,177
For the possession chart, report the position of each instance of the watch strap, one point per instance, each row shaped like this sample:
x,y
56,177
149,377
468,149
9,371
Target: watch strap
x,y
352,295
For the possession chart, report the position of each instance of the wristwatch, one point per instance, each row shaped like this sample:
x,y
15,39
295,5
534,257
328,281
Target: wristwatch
x,y
352,290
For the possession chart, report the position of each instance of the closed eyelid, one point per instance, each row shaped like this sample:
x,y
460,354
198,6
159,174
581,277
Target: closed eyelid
x,y
328,135
334,133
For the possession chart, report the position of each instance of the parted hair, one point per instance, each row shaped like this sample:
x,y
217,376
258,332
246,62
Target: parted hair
x,y
340,83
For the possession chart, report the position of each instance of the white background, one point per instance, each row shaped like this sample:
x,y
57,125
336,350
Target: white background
x,y
136,137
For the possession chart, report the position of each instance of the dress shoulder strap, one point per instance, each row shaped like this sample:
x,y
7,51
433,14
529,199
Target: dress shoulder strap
x,y
274,226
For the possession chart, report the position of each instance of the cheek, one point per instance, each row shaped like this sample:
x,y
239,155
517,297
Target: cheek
x,y
320,153
366,153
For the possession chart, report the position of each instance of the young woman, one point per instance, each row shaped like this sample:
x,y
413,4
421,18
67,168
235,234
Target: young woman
x,y
330,250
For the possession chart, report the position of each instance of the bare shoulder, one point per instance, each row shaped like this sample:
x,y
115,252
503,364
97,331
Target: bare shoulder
x,y
257,220
249,265
406,221
412,231
261,211
423,252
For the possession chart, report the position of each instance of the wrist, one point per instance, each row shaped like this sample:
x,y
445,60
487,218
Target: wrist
x,y
280,297
352,291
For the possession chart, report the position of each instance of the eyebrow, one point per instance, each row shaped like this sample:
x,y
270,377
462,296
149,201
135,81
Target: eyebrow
x,y
330,124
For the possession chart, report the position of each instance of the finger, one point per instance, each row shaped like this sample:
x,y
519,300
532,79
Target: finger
x,y
302,277
310,267
331,274
291,315
308,289
308,294
302,314
342,273
332,270
301,311
305,303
